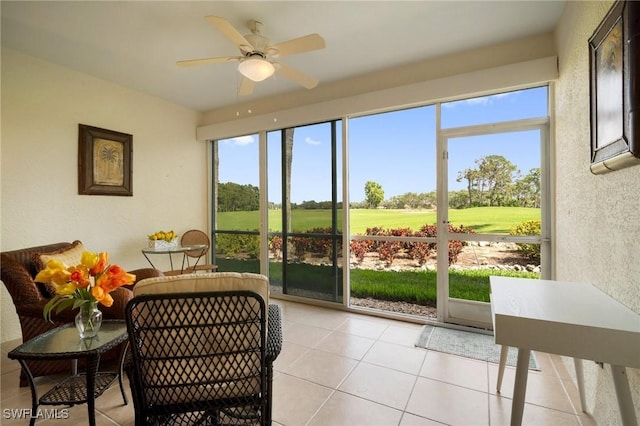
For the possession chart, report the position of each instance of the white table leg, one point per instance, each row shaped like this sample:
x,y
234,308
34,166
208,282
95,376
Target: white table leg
x,y
504,351
577,362
625,402
520,387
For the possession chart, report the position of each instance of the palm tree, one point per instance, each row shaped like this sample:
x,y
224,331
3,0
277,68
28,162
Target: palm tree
x,y
110,158
288,144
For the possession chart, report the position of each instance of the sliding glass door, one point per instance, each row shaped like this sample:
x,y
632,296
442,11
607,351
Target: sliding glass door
x,y
435,200
392,215
304,220
236,206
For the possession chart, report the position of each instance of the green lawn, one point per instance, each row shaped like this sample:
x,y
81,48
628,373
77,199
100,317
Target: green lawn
x,y
498,220
408,286
419,287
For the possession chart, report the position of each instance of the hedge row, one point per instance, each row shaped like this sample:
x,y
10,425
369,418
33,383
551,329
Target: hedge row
x,y
247,246
388,251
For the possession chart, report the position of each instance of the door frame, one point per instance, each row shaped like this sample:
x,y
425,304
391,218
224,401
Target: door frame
x,y
473,313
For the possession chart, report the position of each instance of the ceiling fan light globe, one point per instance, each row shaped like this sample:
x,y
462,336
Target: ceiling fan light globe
x,y
256,69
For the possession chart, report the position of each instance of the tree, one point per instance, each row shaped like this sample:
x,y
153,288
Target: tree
x,y
411,200
471,175
216,180
374,194
288,146
494,175
458,199
528,189
497,172
234,197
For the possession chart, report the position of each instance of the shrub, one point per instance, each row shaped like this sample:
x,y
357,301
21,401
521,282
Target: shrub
x,y
530,227
321,245
315,245
420,251
378,230
429,230
359,248
388,250
301,246
275,246
401,232
455,246
237,245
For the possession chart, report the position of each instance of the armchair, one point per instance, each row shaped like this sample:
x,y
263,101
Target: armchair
x,y
202,349
18,269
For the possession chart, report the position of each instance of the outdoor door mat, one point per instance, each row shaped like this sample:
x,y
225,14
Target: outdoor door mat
x,y
467,344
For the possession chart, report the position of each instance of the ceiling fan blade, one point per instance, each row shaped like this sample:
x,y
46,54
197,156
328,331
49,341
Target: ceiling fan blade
x,y
194,62
246,87
296,75
230,32
297,45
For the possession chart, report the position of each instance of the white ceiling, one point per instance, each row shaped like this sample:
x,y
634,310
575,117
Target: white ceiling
x,y
136,43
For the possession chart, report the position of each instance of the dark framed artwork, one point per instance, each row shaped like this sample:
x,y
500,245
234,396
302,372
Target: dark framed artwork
x,y
104,161
615,89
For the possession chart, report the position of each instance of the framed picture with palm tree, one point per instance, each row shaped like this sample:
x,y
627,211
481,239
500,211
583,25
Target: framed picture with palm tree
x,y
615,99
104,161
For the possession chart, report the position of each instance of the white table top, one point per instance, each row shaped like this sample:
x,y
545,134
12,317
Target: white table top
x,y
565,318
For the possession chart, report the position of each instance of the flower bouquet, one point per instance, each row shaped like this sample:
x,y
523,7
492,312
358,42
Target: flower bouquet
x,y
83,286
163,240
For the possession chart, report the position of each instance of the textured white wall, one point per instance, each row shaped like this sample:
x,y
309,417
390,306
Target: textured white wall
x,y
42,105
597,216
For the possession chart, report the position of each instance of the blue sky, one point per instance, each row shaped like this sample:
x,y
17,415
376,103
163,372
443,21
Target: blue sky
x,y
395,149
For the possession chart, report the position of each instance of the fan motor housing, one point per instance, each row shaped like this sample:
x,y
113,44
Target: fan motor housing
x,y
258,42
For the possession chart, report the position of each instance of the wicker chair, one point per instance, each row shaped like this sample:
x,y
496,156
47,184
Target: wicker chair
x,y
202,348
18,269
196,237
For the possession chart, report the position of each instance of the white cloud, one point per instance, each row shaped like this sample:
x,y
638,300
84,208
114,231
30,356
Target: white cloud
x,y
241,140
484,100
311,141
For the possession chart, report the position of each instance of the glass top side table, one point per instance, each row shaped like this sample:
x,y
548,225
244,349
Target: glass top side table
x,y
196,249
65,343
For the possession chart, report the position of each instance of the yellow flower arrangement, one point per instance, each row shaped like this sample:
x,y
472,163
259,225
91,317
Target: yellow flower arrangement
x,y
90,282
167,236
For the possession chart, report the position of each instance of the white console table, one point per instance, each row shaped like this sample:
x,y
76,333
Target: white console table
x,y
565,318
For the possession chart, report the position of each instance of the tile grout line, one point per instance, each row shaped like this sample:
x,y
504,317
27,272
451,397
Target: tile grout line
x,y
413,388
489,394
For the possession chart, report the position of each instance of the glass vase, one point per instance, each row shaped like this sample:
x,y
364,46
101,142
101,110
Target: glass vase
x,y
88,320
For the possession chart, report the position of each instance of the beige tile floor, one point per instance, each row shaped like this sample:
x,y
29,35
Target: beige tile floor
x,y
342,368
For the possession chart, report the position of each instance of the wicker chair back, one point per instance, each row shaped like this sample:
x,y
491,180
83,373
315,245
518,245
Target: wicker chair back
x,y
199,349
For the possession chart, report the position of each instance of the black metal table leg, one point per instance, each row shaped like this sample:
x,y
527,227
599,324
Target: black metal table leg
x,y
123,356
92,371
34,393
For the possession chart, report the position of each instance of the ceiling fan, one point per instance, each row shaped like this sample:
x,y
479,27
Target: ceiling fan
x,y
257,55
